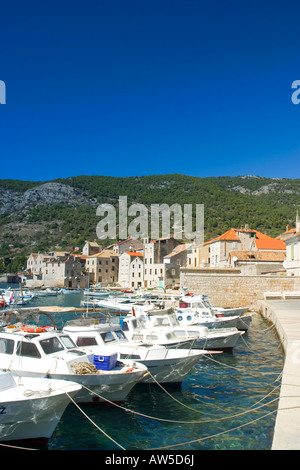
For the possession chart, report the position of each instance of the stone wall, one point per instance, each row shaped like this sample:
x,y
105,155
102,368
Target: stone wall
x,y
228,288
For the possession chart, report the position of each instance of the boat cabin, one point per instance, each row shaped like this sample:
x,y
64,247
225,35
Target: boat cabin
x,y
36,351
195,301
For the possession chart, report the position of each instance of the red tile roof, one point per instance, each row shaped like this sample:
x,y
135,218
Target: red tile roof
x,y
270,244
134,253
232,235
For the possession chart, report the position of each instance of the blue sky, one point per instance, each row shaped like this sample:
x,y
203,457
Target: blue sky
x,y
138,87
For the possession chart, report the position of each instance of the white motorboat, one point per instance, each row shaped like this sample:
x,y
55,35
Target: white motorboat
x,y
51,292
96,293
197,310
165,365
223,339
69,291
120,304
203,300
39,352
31,408
135,331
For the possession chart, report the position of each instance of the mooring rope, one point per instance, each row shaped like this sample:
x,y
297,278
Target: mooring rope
x,y
163,419
101,430
237,368
214,435
199,411
187,422
2,444
178,421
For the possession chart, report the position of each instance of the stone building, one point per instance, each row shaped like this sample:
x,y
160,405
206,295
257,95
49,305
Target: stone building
x,y
154,253
102,268
257,262
35,263
216,253
91,248
54,269
127,245
173,262
63,273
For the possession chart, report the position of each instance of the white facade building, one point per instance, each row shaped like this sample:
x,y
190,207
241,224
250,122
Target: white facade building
x,y
292,263
131,270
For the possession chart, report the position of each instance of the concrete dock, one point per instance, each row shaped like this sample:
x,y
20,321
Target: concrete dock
x,y
285,315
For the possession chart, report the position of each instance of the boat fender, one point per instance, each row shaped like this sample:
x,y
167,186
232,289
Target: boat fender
x,y
12,327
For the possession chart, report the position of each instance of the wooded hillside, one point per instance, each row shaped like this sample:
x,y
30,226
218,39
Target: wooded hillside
x,y
39,216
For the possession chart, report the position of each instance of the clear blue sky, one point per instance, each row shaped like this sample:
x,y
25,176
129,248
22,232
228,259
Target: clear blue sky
x,y
139,87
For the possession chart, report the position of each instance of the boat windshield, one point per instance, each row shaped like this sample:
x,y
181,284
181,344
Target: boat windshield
x,y
67,342
161,321
51,345
107,337
54,344
119,334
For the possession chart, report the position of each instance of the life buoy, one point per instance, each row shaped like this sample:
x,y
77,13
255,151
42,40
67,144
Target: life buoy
x,y
34,329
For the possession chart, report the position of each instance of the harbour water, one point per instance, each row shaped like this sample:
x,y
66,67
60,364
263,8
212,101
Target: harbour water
x,y
227,402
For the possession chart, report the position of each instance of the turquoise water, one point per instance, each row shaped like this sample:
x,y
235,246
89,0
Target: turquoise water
x,y
227,402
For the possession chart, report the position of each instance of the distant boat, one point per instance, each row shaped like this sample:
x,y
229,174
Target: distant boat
x,y
51,291
67,291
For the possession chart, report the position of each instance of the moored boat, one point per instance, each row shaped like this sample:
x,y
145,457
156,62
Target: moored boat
x,y
31,408
39,351
208,338
197,309
166,365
